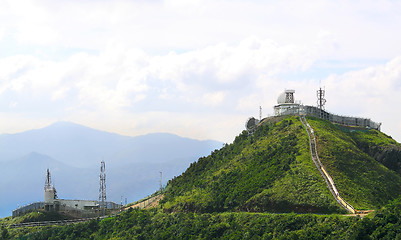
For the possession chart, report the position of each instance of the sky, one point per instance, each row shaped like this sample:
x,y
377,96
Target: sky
x,y
195,68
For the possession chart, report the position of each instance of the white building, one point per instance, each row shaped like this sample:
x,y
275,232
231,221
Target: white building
x,y
286,103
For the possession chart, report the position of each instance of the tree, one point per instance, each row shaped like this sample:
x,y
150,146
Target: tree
x,y
4,233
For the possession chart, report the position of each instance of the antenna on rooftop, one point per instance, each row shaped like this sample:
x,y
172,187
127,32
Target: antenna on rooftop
x,y
48,182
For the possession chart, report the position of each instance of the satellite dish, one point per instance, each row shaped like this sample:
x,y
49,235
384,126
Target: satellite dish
x,y
251,124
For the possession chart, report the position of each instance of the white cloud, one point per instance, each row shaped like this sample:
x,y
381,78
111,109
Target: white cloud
x,y
177,25
372,92
213,98
127,60
122,81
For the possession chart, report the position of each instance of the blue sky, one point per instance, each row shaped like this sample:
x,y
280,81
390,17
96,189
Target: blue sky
x,y
194,68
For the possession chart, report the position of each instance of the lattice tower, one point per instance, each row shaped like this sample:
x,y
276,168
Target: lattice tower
x,y
321,100
48,182
102,188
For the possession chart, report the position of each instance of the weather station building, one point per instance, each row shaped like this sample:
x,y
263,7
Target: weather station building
x,y
286,105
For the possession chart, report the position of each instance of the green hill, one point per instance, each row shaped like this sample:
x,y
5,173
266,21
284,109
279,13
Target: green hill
x,y
272,171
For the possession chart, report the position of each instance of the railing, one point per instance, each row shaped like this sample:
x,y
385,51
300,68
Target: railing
x,y
321,168
48,223
334,118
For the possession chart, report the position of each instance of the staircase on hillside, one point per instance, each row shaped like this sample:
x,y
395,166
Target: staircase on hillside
x,y
321,168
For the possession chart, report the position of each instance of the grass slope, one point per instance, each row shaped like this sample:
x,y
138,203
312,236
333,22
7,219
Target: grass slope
x,y
271,171
361,180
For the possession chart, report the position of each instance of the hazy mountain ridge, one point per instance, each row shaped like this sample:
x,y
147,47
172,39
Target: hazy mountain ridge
x,y
81,146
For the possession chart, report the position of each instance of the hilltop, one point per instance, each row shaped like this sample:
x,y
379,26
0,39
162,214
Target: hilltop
x,y
271,171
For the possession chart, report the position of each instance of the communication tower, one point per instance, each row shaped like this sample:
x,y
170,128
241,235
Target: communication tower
x,y
102,189
260,113
320,98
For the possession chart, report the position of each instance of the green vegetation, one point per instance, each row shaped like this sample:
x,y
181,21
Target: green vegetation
x,y
381,147
270,170
6,232
35,216
361,180
155,224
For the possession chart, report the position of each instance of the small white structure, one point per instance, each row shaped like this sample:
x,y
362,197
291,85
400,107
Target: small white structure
x,y
286,103
50,193
77,204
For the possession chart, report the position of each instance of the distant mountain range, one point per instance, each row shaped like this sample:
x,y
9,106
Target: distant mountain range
x,y
80,146
73,153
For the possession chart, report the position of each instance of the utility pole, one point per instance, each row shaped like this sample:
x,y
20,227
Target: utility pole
x,y
161,182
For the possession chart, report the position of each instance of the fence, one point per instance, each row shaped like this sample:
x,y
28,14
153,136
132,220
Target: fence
x,y
334,118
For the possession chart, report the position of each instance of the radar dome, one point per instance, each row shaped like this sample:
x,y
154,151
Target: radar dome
x,y
286,97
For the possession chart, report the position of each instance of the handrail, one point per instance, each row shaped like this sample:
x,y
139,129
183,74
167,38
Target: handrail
x,y
57,222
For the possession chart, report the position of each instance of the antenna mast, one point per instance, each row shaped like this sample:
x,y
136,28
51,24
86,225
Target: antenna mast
x,y
321,100
48,183
260,113
49,186
102,189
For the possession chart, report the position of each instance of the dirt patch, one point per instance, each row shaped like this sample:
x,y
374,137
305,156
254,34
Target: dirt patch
x,y
360,213
148,203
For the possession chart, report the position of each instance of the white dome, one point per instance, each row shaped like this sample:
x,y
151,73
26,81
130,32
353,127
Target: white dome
x,y
286,97
281,98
